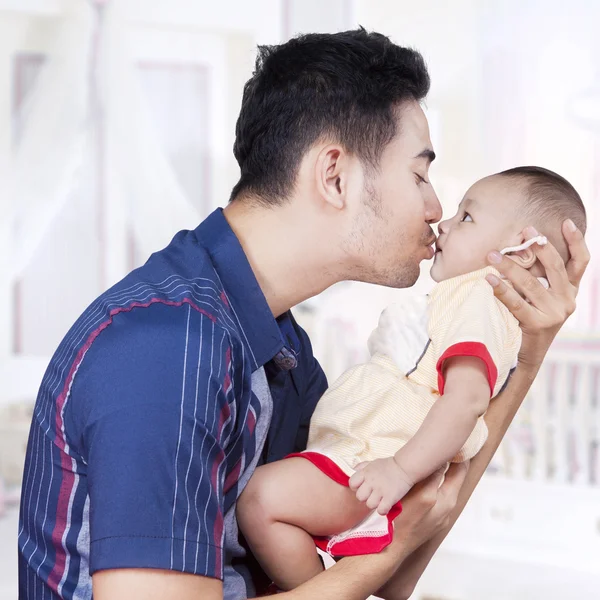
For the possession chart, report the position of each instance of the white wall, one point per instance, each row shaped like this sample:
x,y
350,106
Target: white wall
x,y
220,38
505,80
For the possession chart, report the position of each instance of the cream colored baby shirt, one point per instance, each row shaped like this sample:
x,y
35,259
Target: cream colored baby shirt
x,y
373,409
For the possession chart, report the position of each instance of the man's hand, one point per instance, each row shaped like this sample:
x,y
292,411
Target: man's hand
x,y
380,483
426,509
546,310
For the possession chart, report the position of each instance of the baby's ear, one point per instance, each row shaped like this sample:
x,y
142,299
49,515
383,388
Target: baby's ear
x,y
523,253
524,258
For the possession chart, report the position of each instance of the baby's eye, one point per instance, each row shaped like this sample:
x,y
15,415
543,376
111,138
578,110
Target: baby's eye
x,y
466,219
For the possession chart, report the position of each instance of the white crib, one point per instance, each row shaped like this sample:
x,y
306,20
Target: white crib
x,y
555,436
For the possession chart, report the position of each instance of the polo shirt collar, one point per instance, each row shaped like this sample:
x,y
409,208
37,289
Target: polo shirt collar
x,y
260,332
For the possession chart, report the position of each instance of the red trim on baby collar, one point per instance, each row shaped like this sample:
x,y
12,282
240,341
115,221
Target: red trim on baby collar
x,y
476,349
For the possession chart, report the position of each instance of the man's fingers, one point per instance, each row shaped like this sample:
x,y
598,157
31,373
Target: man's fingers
x,y
429,485
554,266
578,250
522,311
523,281
455,477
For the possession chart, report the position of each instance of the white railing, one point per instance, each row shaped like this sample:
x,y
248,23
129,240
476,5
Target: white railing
x,y
532,527
555,436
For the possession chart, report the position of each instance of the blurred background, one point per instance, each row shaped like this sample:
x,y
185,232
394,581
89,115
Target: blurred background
x,y
116,126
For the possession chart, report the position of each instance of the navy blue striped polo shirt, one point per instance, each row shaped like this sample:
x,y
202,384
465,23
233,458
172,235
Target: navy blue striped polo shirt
x,y
154,411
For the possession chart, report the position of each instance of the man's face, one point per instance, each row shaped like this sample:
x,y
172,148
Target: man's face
x,y
486,219
393,226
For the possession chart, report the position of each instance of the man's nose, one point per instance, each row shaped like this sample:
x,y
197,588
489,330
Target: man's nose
x,y
433,208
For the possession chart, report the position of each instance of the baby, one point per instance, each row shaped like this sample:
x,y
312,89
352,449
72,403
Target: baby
x,y
418,404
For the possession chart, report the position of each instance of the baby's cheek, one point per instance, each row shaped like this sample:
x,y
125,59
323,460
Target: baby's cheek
x,y
471,258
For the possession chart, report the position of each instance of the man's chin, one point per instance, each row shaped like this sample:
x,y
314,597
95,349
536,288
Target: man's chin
x,y
405,279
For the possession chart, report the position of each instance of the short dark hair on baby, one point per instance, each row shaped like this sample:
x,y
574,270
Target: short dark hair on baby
x,y
551,199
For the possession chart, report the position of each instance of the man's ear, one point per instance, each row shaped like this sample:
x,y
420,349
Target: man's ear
x,y
331,175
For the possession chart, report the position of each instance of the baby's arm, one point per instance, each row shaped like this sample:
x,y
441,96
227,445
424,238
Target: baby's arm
x,y
383,482
450,421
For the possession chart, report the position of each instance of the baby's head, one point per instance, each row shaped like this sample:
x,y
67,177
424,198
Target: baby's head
x,y
494,213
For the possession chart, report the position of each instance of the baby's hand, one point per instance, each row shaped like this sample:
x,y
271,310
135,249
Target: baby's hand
x,y
381,483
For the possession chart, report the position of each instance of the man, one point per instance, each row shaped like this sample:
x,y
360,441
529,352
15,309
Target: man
x,y
177,382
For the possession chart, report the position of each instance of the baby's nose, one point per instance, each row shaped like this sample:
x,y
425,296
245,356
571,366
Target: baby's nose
x,y
443,226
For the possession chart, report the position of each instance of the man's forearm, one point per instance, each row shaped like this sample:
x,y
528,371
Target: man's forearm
x,y
352,578
498,418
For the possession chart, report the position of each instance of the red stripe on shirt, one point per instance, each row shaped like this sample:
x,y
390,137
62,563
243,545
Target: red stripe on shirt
x,y
233,476
251,423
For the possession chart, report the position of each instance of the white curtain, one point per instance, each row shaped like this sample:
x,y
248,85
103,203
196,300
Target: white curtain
x,y
150,191
90,75
53,144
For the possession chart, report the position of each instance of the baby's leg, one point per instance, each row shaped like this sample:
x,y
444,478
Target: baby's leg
x,y
282,504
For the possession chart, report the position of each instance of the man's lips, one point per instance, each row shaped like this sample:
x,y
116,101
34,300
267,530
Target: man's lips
x,y
431,247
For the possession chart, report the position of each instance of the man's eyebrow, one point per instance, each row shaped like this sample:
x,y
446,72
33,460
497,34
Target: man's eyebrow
x,y
427,154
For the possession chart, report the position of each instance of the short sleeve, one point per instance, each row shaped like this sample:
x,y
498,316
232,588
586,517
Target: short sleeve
x,y
153,387
467,320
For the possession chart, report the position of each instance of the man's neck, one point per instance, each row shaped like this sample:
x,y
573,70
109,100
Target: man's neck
x,y
287,256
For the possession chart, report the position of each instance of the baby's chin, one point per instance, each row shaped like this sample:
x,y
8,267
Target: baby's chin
x,y
435,276
439,274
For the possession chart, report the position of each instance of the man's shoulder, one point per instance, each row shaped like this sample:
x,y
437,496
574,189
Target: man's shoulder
x,y
176,292
162,292
175,276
